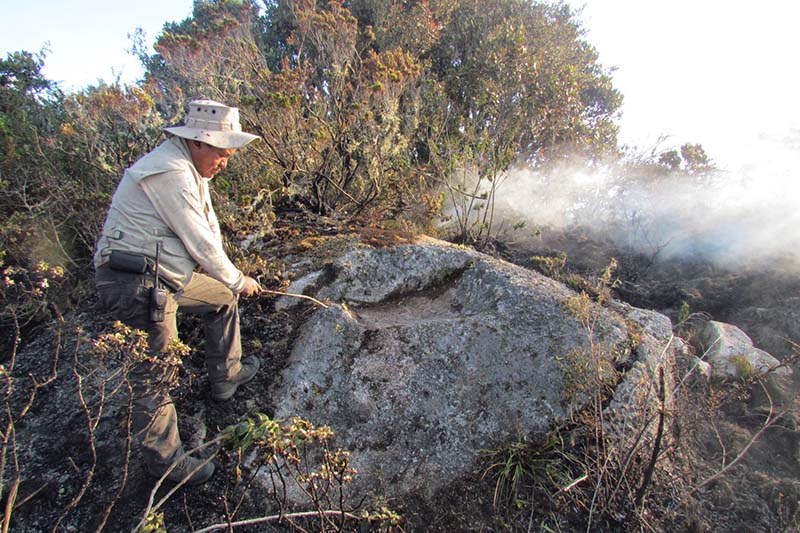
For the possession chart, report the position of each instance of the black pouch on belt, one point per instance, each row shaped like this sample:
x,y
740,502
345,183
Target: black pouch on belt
x,y
128,262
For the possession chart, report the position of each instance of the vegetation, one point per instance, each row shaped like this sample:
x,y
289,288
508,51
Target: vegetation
x,y
360,121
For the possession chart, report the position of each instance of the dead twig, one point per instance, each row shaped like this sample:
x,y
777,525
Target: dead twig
x,y
126,463
91,425
293,295
276,517
769,421
153,507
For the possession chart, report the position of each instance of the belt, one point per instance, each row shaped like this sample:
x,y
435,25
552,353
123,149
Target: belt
x,y
135,264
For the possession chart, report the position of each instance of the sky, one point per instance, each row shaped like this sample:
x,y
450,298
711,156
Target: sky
x,y
88,40
719,73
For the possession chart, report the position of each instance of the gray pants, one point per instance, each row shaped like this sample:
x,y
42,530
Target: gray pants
x,y
126,296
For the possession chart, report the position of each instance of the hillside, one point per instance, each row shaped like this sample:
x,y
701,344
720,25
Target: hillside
x,y
89,480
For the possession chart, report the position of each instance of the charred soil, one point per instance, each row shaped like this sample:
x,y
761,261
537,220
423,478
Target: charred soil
x,y
732,461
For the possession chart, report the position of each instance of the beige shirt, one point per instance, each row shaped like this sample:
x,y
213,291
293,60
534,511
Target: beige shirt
x,y
163,198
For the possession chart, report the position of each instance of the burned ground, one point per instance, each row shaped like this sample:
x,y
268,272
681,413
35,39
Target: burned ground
x,y
750,423
712,424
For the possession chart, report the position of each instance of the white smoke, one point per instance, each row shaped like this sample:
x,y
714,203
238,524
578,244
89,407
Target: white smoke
x,y
732,217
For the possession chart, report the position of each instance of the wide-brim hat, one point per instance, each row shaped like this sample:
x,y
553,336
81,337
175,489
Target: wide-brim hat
x,y
215,124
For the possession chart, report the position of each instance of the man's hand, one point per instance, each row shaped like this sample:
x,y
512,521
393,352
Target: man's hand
x,y
251,287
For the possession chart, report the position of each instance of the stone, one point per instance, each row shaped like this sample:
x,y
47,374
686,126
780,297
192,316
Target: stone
x,y
731,353
298,286
434,354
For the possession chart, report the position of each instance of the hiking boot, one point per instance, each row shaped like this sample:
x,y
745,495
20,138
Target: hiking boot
x,y
187,468
224,390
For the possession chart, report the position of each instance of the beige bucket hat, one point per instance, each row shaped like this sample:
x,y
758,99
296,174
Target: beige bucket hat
x,y
213,123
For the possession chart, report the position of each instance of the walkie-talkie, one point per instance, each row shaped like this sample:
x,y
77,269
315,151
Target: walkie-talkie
x,y
158,294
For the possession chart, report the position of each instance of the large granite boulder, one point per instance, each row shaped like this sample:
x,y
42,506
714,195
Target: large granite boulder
x,y
432,354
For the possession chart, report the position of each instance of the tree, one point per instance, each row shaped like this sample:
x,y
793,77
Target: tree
x,y
29,123
367,107
63,156
695,158
670,159
692,159
329,113
522,86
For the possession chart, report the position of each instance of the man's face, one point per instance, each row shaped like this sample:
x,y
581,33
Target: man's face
x,y
209,160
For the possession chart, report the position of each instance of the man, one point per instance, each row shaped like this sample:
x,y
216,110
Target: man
x,y
161,219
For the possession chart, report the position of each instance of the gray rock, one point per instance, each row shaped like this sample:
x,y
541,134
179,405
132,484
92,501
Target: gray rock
x,y
439,353
298,286
731,353
367,275
702,367
655,323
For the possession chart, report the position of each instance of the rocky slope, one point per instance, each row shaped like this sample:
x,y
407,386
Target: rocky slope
x,y
433,364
